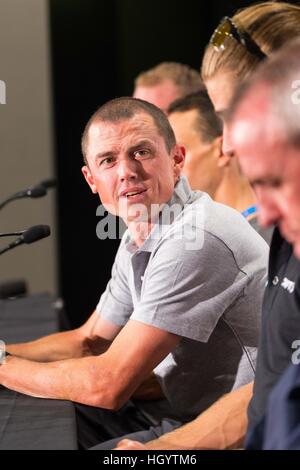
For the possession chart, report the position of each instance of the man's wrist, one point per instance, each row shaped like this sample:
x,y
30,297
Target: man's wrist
x,y
3,355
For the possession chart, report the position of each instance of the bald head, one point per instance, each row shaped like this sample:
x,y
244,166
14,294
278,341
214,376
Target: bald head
x,y
273,93
253,120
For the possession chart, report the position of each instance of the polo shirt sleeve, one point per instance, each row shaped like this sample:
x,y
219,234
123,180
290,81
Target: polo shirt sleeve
x,y
185,292
115,304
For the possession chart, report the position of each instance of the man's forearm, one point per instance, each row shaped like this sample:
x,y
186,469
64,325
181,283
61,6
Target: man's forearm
x,y
54,347
77,380
92,338
222,426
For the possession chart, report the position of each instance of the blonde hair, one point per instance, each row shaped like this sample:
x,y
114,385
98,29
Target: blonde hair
x,y
183,76
270,25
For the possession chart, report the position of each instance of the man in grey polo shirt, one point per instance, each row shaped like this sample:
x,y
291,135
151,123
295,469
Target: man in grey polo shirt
x,y
184,298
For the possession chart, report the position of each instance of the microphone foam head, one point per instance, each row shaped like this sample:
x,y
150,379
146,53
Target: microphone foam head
x,y
35,233
37,191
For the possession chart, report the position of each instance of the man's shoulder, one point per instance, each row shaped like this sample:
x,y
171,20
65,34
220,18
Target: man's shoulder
x,y
219,221
206,230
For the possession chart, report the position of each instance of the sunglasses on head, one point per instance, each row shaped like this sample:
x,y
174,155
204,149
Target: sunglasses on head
x,y
226,30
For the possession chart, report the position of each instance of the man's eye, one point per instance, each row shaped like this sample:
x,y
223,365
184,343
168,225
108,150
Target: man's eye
x,y
274,183
141,153
108,161
277,183
268,184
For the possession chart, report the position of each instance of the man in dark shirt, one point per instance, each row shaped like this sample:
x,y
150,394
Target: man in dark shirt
x,y
266,110
280,323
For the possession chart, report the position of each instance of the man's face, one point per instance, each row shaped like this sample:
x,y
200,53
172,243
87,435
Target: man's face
x,y
221,88
271,165
161,95
129,165
201,162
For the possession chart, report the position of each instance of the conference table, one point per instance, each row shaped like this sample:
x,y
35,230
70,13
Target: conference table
x,y
26,422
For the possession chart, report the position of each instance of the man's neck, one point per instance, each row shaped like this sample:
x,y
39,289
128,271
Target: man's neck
x,y
140,231
235,191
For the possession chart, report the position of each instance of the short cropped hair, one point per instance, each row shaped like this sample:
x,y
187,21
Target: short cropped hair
x,y
207,123
183,76
124,108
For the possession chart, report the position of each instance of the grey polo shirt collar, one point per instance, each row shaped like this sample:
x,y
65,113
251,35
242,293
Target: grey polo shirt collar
x,y
182,194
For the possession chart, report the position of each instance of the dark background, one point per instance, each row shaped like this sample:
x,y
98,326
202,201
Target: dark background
x,y
98,47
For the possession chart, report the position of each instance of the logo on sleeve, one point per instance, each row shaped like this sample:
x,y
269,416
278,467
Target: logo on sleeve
x,y
288,285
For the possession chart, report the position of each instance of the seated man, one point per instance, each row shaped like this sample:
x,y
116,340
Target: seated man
x,y
197,126
266,109
199,129
184,298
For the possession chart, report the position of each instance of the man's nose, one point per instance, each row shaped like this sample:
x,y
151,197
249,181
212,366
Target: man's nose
x,y
227,146
269,213
127,169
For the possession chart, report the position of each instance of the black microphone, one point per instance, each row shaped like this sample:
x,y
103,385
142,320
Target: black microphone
x,y
14,288
32,234
48,184
34,191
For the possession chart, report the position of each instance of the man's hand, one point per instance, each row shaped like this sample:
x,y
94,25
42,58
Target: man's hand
x,y
127,444
150,389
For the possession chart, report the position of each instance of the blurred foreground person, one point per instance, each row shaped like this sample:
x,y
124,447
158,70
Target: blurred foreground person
x,y
267,110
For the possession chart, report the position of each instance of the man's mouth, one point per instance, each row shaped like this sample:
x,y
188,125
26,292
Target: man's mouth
x,y
133,193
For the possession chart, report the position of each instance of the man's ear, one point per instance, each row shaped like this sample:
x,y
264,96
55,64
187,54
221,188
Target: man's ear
x,y
89,178
178,158
223,160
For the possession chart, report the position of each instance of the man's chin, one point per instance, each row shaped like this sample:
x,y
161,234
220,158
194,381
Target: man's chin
x,y
140,213
136,215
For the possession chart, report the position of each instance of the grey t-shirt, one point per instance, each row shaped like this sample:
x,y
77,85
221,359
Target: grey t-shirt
x,y
200,276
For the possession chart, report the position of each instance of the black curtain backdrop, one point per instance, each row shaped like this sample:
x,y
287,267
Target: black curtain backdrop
x,y
98,47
